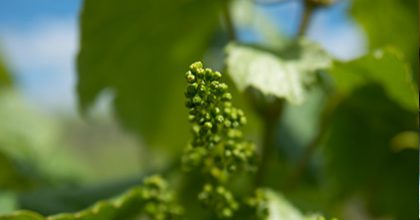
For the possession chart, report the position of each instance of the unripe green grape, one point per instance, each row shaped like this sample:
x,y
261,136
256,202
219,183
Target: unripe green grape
x,y
196,100
227,123
200,73
223,87
196,65
243,120
217,75
208,125
227,97
227,213
214,85
192,89
215,111
227,104
202,90
219,118
189,77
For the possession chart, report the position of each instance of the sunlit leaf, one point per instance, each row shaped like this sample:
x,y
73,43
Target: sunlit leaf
x,y
283,74
139,50
281,209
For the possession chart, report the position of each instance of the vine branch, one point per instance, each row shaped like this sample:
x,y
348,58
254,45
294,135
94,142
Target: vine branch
x,y
303,162
308,10
227,17
270,115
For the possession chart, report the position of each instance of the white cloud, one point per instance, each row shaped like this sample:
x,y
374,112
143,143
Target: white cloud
x,y
41,57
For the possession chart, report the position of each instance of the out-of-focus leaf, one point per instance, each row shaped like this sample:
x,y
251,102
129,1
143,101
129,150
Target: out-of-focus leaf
x,y
383,67
390,22
281,209
14,176
8,202
359,156
71,198
136,201
5,79
22,215
284,73
25,133
405,140
139,50
29,142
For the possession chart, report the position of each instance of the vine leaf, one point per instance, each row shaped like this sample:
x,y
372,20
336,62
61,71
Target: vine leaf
x,y
138,54
151,199
22,215
384,67
280,208
284,74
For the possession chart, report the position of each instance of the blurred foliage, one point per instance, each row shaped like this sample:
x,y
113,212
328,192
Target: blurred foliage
x,y
5,79
138,51
29,139
360,157
148,44
391,22
13,176
384,67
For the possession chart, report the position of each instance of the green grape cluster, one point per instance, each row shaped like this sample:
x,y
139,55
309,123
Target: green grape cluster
x,y
158,201
220,199
218,144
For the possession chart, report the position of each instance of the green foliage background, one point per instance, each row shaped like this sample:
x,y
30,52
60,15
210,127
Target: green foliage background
x,y
350,112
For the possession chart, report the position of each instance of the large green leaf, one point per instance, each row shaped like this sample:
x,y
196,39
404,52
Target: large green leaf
x,y
390,22
139,50
361,160
284,73
379,103
383,67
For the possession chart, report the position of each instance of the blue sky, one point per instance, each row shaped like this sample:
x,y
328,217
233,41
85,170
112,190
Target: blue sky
x,y
39,41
